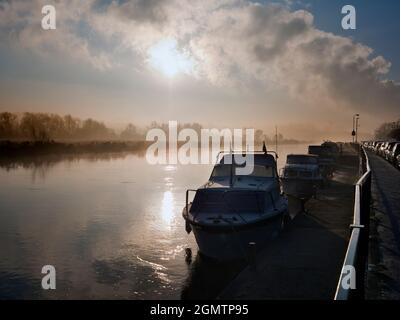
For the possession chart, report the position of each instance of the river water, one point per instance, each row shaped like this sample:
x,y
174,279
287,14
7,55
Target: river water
x,y
111,225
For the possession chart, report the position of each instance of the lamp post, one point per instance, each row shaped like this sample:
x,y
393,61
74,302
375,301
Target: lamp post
x,y
358,118
354,133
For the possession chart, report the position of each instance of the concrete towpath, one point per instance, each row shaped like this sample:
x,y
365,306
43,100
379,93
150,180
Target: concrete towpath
x,y
384,258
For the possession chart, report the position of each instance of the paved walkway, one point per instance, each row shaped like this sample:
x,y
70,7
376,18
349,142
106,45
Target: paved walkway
x,y
384,260
305,261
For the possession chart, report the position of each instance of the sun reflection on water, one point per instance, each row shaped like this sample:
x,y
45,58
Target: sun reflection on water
x,y
167,207
170,168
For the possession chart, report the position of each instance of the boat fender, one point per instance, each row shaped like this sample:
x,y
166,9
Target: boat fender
x,y
188,228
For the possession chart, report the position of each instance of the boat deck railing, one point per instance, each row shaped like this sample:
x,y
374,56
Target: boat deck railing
x,y
355,261
233,152
188,191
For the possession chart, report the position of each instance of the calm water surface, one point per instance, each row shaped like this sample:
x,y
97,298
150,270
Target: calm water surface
x,y
111,225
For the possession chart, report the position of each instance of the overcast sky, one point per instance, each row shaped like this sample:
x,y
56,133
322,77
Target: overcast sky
x,y
223,63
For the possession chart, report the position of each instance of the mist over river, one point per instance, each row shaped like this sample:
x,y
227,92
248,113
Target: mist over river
x,y
110,224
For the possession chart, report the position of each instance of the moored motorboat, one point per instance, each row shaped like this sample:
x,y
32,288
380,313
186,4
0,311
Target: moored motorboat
x,y
326,159
231,211
301,176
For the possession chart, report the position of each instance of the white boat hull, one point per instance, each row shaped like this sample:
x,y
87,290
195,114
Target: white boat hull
x,y
234,243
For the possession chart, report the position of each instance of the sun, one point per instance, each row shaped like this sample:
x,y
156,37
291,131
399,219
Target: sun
x,y
166,58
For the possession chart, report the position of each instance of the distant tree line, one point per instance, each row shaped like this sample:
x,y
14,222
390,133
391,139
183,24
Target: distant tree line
x,y
52,127
388,130
46,127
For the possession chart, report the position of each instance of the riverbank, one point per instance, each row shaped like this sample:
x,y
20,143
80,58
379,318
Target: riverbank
x,y
306,260
39,148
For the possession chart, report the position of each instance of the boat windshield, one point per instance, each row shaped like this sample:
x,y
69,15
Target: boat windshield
x,y
224,170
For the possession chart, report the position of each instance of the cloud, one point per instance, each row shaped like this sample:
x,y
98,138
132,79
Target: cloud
x,y
20,27
238,44
348,72
282,49
142,11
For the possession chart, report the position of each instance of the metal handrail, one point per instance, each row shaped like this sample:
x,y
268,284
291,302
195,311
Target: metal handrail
x,y
350,260
357,250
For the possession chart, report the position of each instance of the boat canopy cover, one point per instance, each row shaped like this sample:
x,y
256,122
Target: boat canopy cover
x,y
259,159
243,201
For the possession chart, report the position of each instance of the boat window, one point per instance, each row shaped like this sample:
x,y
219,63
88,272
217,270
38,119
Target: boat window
x,y
262,171
299,159
221,170
224,170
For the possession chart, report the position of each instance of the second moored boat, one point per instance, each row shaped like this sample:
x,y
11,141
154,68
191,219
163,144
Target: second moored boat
x,y
301,176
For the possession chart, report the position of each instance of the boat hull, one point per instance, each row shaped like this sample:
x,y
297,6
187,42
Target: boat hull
x,y
233,243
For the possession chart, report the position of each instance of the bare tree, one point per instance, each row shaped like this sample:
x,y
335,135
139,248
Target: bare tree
x,y
8,125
